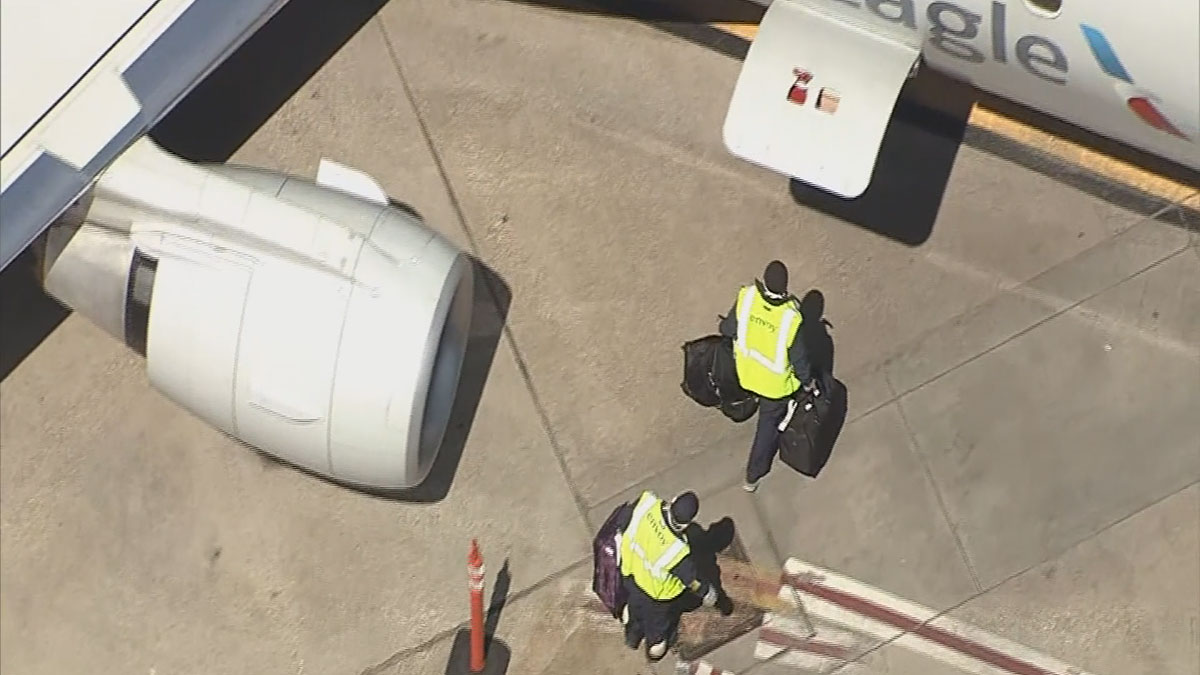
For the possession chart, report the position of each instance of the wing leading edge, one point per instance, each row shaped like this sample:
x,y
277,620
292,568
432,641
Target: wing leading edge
x,y
107,84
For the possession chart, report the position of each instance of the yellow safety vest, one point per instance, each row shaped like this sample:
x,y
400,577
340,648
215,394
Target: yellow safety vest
x,y
649,549
764,334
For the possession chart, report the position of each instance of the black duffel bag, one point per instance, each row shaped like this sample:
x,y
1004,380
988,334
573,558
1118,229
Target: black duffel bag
x,y
697,370
737,404
807,433
710,378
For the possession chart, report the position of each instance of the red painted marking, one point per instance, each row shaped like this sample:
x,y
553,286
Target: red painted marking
x,y
798,93
1152,116
781,639
910,625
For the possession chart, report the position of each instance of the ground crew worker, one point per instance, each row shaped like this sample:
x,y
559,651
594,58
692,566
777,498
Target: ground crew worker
x,y
770,359
656,568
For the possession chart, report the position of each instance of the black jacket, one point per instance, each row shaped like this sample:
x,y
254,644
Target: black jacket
x,y
797,354
685,569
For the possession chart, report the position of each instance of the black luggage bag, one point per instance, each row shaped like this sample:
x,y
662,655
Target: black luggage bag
x,y
737,404
710,379
697,381
807,435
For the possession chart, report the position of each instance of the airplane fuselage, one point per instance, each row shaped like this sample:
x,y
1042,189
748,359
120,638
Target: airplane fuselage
x,y
1127,71
1130,71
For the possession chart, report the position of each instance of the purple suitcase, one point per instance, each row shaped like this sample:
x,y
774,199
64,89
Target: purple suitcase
x,y
606,574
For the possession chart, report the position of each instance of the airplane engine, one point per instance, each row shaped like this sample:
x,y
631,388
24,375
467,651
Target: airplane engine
x,y
319,326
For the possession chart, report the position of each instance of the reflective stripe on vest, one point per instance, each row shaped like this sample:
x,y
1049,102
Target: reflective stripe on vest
x,y
647,558
761,347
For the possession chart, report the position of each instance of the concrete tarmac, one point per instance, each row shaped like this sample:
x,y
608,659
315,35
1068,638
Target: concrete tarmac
x,y
1022,357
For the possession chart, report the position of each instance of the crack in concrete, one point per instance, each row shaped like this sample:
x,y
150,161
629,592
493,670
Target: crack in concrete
x,y
1075,306
936,487
505,602
460,215
1025,570
984,591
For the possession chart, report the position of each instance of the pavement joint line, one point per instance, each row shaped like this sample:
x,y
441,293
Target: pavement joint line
x,y
937,492
506,328
962,603
766,528
1036,324
673,466
683,156
880,364
505,602
984,591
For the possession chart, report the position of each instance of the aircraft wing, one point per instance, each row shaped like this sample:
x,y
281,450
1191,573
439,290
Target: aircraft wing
x,y
83,79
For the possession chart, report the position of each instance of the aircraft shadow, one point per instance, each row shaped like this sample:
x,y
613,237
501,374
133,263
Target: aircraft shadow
x,y
27,313
912,169
241,94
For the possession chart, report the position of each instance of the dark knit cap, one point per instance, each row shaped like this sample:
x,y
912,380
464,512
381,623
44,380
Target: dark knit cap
x,y
775,278
685,507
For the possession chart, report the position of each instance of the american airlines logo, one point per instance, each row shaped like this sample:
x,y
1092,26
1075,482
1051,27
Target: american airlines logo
x,y
969,36
1141,102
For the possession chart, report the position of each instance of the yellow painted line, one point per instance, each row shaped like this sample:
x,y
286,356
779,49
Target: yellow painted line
x,y
1069,151
746,31
1087,158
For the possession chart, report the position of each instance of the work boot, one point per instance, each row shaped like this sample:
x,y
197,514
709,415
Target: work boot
x,y
657,651
750,487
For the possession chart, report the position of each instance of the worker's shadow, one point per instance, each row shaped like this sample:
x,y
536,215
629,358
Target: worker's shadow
x,y
705,545
819,344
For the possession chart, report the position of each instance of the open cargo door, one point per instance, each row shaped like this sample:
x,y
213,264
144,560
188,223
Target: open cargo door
x,y
814,97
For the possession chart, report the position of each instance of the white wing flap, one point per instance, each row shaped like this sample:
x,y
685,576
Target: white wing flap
x,y
814,98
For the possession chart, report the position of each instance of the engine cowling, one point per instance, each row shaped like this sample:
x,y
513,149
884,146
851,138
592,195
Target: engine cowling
x,y
320,327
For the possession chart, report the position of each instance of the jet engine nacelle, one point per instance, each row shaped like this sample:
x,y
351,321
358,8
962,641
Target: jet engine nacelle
x,y
321,327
